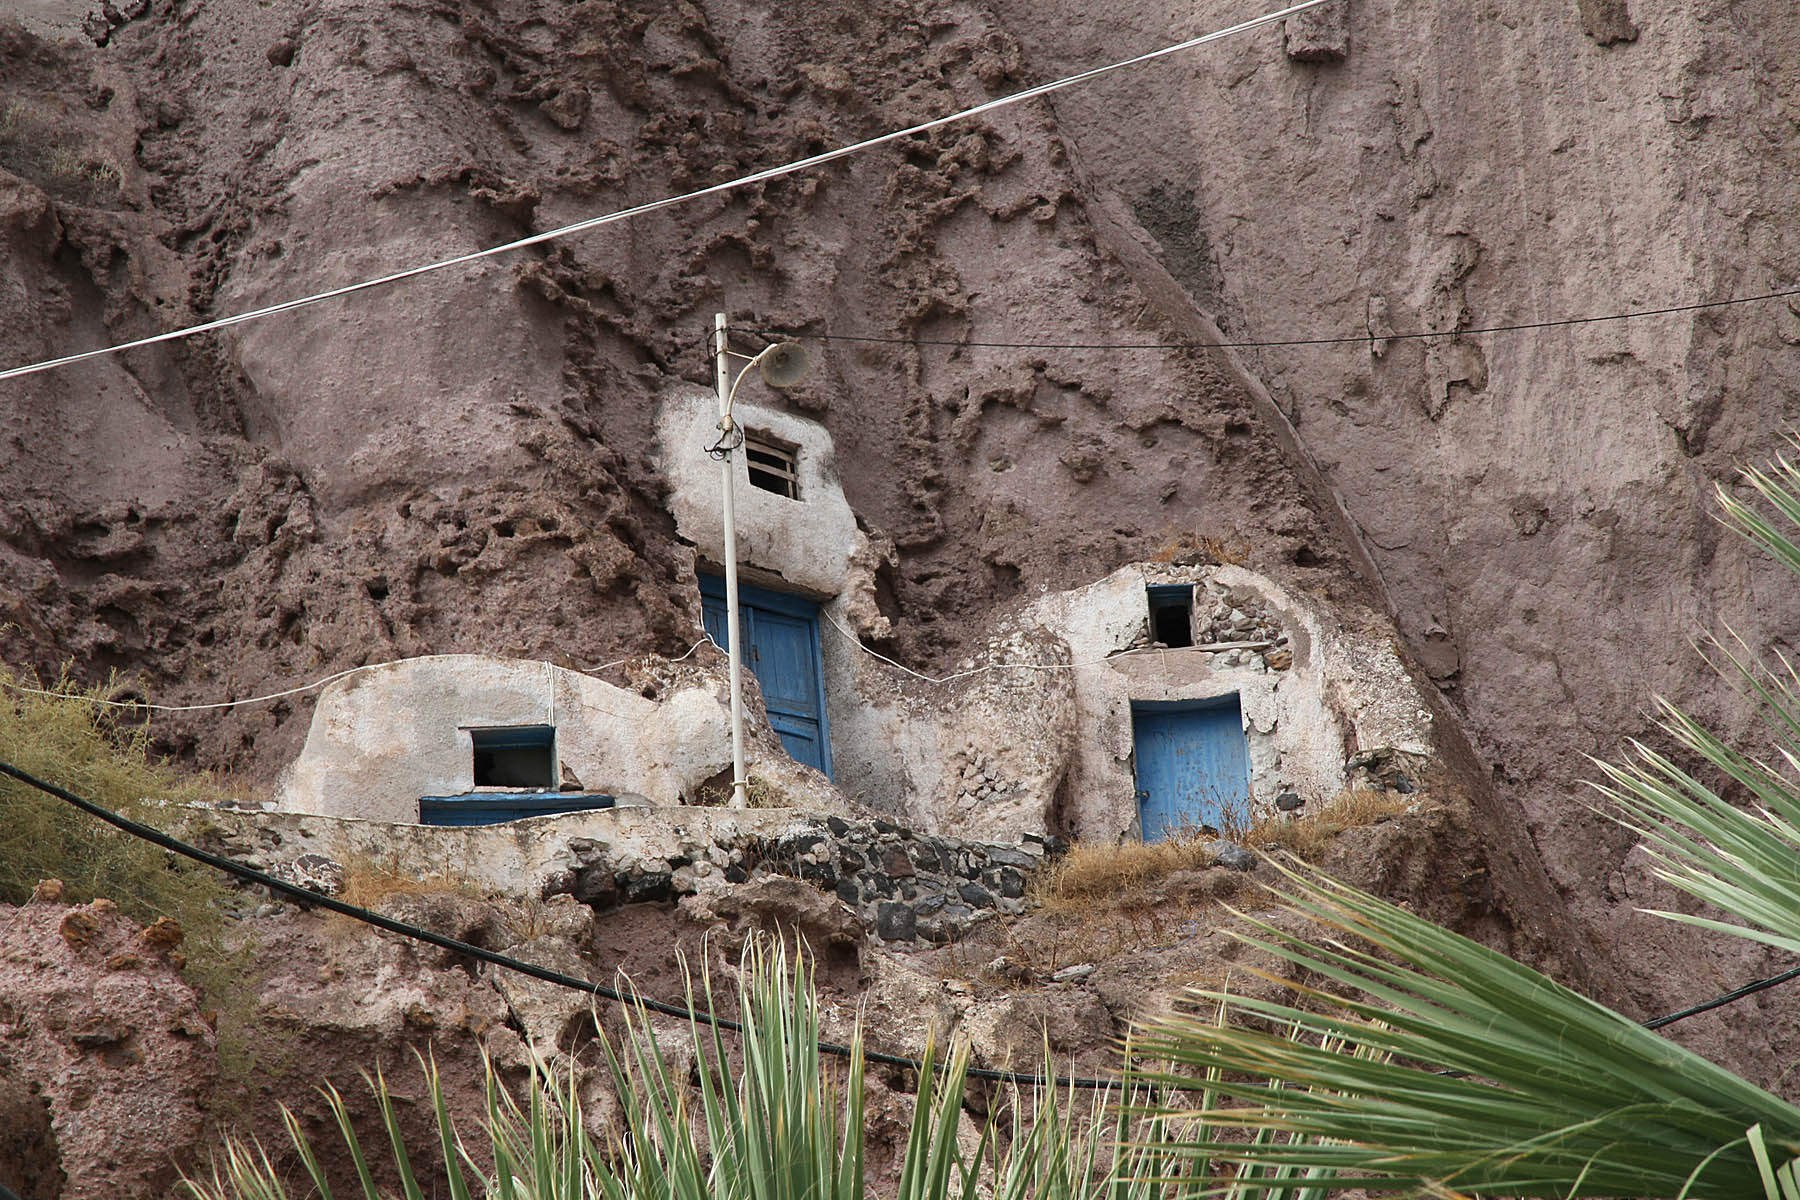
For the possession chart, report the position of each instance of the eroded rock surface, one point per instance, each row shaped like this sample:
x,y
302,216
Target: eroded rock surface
x,y
106,1059
460,464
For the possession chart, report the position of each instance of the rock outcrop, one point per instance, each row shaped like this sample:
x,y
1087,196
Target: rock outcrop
x,y
106,1057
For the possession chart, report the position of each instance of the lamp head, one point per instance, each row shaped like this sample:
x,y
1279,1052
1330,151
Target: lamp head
x,y
782,365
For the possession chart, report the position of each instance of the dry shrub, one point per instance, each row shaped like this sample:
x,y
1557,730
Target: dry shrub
x,y
1094,871
1230,548
1307,834
102,754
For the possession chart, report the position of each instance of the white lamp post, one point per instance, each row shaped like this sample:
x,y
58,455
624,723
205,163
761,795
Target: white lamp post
x,y
782,363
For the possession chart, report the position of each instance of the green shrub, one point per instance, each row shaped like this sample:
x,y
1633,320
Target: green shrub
x,y
99,753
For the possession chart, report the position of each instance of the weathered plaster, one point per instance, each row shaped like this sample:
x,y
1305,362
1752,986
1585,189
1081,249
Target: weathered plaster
x,y
382,738
1043,738
1342,690
517,858
803,545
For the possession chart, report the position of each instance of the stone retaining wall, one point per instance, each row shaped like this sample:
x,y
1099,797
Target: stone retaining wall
x,y
907,887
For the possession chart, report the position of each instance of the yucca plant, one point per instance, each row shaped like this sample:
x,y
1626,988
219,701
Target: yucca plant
x,y
1496,1080
774,1121
1489,1078
774,1126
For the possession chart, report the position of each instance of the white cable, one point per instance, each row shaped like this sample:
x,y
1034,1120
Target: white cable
x,y
1213,648
315,684
668,202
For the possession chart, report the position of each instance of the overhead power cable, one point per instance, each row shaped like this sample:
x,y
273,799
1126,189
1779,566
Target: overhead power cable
x,y
685,1012
1342,340
816,160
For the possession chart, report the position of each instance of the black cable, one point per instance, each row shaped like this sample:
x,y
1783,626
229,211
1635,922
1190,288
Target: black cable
x,y
304,896
1318,341
1731,997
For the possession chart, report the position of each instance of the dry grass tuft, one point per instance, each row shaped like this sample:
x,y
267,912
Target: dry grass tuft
x,y
35,143
367,881
1231,548
1307,835
1095,871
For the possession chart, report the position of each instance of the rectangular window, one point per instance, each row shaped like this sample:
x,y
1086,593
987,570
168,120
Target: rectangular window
x,y
774,464
1171,613
515,756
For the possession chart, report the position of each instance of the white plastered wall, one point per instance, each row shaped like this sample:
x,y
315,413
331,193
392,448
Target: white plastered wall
x,y
382,738
802,544
1343,691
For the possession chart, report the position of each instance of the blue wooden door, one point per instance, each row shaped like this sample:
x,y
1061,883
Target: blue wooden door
x,y
1193,766
781,647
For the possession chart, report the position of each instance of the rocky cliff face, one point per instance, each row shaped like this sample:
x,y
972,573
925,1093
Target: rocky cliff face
x,y
462,462
1537,502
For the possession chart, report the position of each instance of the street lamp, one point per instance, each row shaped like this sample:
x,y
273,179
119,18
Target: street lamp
x,y
782,364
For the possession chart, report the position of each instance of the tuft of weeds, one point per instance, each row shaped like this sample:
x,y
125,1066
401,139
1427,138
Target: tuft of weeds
x,y
1308,834
369,881
1096,871
35,144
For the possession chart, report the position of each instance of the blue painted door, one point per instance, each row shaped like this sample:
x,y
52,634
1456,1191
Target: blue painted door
x,y
781,648
1193,766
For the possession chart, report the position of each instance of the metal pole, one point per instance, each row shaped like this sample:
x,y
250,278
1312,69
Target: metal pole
x,y
740,782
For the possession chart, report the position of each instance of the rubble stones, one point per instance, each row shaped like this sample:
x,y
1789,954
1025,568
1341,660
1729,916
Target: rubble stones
x,y
895,922
904,885
1231,856
314,872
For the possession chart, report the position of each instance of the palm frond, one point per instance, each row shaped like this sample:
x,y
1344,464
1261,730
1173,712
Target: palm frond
x,y
1481,1075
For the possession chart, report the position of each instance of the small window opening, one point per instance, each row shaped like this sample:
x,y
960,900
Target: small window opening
x,y
1172,613
515,756
774,465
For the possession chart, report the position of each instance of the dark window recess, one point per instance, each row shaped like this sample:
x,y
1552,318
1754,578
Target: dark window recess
x,y
516,756
1172,613
774,465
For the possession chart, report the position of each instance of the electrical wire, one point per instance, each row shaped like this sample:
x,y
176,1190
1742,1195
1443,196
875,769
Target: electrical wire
x,y
305,687
306,897
639,210
1359,339
1731,997
418,933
